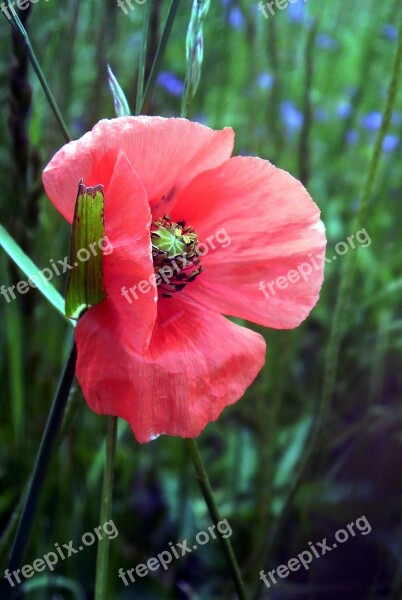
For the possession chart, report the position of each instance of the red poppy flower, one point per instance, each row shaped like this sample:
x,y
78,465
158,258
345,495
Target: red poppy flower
x,y
234,233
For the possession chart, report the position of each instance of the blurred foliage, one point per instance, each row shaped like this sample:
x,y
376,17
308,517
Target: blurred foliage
x,y
305,89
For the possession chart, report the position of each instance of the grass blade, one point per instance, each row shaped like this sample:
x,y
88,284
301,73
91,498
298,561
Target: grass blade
x,y
32,272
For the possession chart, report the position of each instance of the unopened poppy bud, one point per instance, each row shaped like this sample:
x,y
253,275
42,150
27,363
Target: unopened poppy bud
x,y
84,284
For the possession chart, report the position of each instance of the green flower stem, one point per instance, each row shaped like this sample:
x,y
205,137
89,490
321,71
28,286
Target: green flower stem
x,y
346,283
42,461
194,63
304,157
102,560
143,58
55,417
159,54
107,491
335,339
18,26
194,52
208,494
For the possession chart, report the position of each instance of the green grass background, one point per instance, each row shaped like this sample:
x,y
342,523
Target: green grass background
x,y
333,64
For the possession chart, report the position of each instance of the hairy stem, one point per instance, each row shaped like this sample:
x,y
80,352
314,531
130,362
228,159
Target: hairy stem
x,y
18,26
42,462
212,506
102,560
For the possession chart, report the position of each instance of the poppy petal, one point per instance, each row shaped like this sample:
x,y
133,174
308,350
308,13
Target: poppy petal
x,y
127,229
166,154
263,240
198,362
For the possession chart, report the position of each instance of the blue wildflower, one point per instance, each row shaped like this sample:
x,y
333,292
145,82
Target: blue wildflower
x,y
352,137
201,118
236,18
372,121
265,80
343,109
244,152
326,42
390,142
291,116
321,114
171,83
297,11
390,32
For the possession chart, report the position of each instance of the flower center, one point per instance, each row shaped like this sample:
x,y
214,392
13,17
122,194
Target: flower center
x,y
174,253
